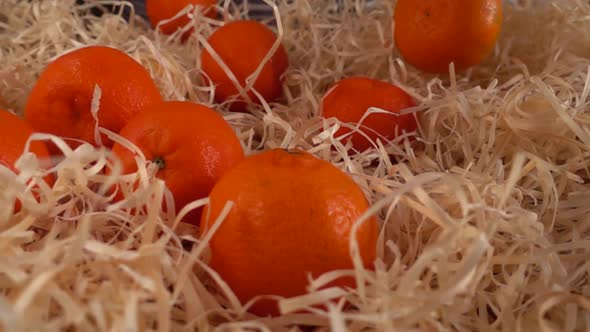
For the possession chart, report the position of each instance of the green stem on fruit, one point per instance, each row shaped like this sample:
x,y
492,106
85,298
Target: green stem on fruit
x,y
160,162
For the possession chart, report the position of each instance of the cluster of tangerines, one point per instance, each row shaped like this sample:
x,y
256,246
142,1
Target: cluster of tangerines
x,y
292,213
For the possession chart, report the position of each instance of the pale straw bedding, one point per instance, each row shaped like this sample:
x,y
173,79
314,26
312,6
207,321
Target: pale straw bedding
x,y
485,215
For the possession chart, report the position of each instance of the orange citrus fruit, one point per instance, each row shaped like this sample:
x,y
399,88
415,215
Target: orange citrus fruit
x,y
431,34
351,98
160,10
192,145
242,45
293,215
60,101
14,134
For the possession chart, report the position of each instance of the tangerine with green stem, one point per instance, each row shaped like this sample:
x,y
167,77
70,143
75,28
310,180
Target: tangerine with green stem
x,y
191,145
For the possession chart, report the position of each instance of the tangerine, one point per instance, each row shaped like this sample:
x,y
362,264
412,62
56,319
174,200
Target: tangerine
x,y
160,10
60,101
431,34
293,215
192,145
242,45
349,100
14,134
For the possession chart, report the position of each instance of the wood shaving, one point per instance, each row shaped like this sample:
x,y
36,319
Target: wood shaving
x,y
485,215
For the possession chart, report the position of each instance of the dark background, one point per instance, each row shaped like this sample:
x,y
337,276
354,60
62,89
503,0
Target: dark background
x,y
139,7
